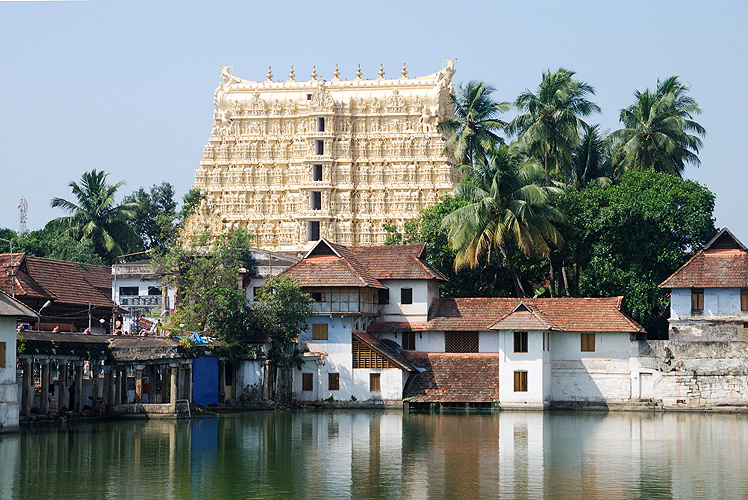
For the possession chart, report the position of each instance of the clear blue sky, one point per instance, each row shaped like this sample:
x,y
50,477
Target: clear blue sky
x,y
128,86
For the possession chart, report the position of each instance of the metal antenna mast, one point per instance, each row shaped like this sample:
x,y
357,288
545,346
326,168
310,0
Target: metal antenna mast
x,y
23,209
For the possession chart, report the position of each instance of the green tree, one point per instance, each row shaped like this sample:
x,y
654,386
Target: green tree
x,y
283,308
476,121
505,209
95,216
52,243
551,119
205,275
591,162
626,238
659,132
154,215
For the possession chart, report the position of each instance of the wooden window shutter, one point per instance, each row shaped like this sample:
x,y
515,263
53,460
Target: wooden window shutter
x,y
366,357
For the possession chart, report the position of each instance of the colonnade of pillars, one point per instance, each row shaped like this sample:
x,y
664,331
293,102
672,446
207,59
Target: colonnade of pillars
x,y
167,382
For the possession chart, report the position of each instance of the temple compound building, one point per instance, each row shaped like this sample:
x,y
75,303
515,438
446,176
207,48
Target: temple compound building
x,y
293,161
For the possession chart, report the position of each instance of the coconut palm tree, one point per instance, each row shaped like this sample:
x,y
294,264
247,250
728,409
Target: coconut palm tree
x,y
506,209
475,123
659,132
551,119
95,216
591,162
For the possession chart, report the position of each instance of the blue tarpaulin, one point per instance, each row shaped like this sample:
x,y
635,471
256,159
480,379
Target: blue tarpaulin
x,y
205,380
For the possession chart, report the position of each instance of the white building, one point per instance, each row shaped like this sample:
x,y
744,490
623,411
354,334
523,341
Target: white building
x,y
11,311
381,332
709,293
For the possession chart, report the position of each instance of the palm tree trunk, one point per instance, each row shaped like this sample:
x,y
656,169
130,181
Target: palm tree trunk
x,y
566,279
518,288
547,172
552,277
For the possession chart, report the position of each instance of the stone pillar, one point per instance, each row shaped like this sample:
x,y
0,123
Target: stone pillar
x,y
152,381
78,386
139,383
188,381
27,394
96,373
122,385
173,389
62,400
44,393
221,381
108,393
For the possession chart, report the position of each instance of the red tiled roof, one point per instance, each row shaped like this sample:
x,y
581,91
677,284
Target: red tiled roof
x,y
722,263
562,314
56,280
330,264
458,378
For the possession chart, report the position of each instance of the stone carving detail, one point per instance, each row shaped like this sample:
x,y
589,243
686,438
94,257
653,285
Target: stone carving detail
x,y
381,158
321,97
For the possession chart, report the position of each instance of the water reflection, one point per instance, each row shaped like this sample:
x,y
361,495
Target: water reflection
x,y
384,455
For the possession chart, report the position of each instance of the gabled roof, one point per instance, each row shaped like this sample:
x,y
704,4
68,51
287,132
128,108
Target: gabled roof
x,y
560,314
332,265
13,308
722,263
56,280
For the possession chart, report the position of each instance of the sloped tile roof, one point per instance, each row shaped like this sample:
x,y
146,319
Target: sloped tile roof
x,y
331,264
396,357
722,263
13,308
458,378
56,280
481,314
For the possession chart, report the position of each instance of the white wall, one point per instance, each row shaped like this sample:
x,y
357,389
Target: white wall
x,y
603,375
717,302
417,312
249,373
143,287
9,402
531,362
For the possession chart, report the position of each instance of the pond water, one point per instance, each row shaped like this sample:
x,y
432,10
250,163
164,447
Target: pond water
x,y
369,454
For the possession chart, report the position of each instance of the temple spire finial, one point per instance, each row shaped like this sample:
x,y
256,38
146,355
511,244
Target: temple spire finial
x,y
381,70
358,72
336,72
270,73
404,71
292,75
314,72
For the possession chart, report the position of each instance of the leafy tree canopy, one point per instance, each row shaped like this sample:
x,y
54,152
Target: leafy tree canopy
x,y
154,215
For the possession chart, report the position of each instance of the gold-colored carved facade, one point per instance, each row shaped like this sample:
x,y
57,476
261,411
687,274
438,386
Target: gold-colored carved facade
x,y
294,161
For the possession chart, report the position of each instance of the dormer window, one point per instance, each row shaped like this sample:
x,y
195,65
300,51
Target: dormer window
x,y
697,299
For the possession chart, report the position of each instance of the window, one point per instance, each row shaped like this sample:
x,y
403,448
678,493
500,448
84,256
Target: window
x,y
333,381
319,147
319,296
375,382
2,354
384,296
461,342
312,230
588,342
317,172
320,124
697,299
406,295
520,381
307,382
128,290
409,341
319,331
309,97
520,341
315,200
744,299
152,290
366,357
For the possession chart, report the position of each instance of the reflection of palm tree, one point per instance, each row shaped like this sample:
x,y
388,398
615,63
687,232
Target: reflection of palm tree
x,y
505,209
475,123
95,215
659,133
552,118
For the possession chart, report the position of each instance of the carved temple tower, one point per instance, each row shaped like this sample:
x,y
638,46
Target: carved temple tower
x,y
294,161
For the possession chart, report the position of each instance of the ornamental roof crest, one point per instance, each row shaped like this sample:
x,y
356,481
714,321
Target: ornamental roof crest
x,y
395,102
255,104
321,97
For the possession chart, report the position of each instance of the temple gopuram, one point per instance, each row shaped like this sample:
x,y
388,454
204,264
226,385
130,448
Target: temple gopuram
x,y
293,161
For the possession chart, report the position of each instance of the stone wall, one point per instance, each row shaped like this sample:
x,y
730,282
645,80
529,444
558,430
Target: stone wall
x,y
696,374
